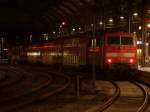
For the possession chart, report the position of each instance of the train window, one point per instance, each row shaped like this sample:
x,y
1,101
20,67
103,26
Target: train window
x,y
94,42
97,41
90,44
113,41
126,41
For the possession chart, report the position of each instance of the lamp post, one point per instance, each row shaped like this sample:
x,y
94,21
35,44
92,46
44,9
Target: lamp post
x,y
93,54
2,44
145,37
134,15
61,43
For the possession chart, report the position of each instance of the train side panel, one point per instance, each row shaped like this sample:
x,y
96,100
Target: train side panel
x,y
70,52
74,51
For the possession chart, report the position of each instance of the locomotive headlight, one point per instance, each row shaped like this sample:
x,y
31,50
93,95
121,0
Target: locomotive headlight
x,y
109,60
131,60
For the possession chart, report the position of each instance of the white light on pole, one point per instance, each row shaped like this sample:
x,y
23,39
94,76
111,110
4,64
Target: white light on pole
x,y
63,23
148,25
122,17
100,22
135,14
110,20
147,44
140,27
73,29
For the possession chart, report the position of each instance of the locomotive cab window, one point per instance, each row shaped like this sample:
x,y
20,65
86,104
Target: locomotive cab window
x,y
126,41
120,41
113,41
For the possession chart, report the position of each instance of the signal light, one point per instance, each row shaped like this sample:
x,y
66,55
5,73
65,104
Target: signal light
x,y
131,60
109,60
63,23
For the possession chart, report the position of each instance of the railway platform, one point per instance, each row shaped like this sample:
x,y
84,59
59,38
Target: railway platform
x,y
146,69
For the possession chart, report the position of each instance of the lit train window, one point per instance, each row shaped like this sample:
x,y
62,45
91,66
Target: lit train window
x,y
93,43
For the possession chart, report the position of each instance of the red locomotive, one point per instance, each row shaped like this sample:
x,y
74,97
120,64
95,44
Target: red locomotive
x,y
112,50
121,48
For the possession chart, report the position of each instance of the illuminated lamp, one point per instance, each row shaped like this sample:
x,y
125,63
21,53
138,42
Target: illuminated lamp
x,y
131,60
148,25
134,32
5,49
100,22
109,60
146,43
110,20
135,14
139,42
63,23
73,29
121,17
140,27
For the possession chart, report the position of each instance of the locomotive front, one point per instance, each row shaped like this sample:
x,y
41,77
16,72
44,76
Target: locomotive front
x,y
121,51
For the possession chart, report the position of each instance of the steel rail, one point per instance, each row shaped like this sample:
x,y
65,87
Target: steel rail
x,y
146,97
38,96
112,99
109,102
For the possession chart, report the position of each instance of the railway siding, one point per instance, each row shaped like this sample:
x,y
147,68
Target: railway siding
x,y
143,76
32,87
133,98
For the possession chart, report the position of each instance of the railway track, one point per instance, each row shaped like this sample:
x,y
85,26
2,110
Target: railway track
x,y
10,77
126,96
28,88
133,98
112,99
108,99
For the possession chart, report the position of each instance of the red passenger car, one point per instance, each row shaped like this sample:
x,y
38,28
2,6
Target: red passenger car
x,y
71,51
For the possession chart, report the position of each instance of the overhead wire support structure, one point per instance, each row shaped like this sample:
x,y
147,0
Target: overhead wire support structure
x,y
61,45
93,54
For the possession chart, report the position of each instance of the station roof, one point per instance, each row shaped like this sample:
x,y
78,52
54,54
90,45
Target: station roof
x,y
45,15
